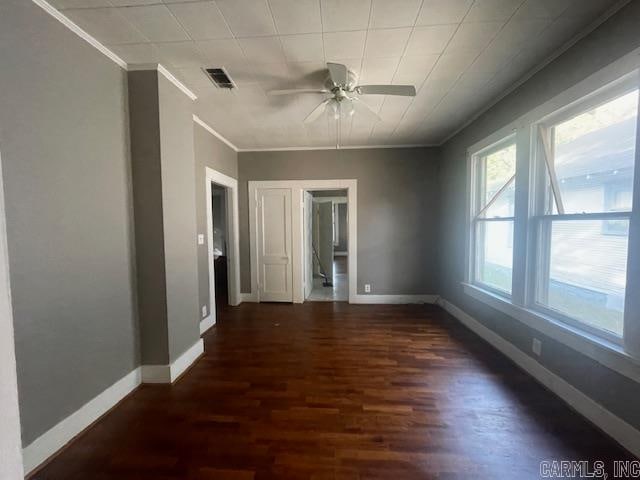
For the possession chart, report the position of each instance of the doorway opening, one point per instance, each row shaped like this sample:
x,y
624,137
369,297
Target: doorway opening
x,y
326,245
220,250
222,245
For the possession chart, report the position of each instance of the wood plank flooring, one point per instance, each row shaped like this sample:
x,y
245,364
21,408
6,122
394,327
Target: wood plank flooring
x,y
336,391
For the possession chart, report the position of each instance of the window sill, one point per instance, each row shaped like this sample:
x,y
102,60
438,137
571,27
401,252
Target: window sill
x,y
607,353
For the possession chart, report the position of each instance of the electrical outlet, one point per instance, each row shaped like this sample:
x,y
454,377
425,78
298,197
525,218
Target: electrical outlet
x,y
367,288
204,311
200,239
536,346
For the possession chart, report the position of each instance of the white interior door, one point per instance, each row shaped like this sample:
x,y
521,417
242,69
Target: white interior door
x,y
308,251
275,282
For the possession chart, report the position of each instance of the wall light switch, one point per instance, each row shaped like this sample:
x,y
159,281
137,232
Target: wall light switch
x,y
536,346
367,288
204,311
200,239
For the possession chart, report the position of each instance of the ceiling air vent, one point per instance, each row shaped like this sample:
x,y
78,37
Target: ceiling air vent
x,y
220,78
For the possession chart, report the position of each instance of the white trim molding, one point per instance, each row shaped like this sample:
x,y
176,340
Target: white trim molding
x,y
233,236
207,323
248,297
38,451
298,187
393,299
341,147
10,437
210,129
51,10
609,354
169,373
137,67
625,434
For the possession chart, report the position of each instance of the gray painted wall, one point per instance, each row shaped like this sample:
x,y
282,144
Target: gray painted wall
x,y
64,147
149,229
397,209
343,229
209,152
179,217
618,36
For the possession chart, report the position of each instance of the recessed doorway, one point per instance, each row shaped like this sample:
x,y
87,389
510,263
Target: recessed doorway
x,y
326,245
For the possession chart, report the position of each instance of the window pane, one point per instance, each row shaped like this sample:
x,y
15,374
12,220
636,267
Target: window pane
x,y
494,255
594,155
587,272
497,169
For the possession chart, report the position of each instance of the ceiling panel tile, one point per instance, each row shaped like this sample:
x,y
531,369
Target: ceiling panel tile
x,y
414,70
132,3
429,40
394,13
248,17
387,42
378,70
136,52
296,16
201,20
492,10
303,48
262,49
440,12
180,54
62,4
343,15
545,9
344,45
155,22
106,24
473,37
220,52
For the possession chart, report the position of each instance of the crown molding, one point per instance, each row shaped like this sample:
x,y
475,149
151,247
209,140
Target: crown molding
x,y
341,147
51,10
208,128
137,67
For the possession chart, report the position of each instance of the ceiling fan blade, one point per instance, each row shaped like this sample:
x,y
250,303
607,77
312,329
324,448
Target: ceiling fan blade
x,y
362,108
316,112
295,91
403,90
338,73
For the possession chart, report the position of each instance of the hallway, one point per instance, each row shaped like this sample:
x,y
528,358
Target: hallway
x,y
339,291
336,391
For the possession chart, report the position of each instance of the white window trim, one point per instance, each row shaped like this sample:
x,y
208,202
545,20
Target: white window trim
x,y
623,357
475,210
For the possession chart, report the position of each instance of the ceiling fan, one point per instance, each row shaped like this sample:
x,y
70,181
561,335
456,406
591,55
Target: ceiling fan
x,y
342,85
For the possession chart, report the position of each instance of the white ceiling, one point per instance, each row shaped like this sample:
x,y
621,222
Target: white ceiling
x,y
460,54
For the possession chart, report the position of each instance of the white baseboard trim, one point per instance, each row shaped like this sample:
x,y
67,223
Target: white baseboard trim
x,y
248,297
340,254
169,373
393,299
625,434
207,323
57,437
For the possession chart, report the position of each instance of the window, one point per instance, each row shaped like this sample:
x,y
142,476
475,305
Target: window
x,y
589,156
493,216
557,258
335,218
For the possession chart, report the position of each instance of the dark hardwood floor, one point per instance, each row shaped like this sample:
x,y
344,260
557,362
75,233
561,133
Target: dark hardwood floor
x,y
336,391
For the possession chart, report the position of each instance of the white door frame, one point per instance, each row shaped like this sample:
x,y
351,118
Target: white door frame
x,y
10,439
233,243
298,187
